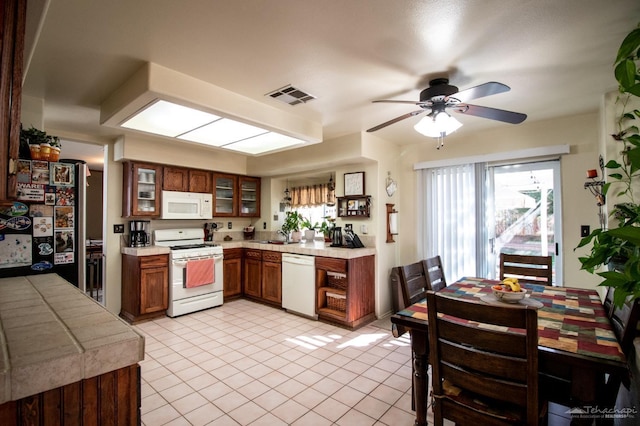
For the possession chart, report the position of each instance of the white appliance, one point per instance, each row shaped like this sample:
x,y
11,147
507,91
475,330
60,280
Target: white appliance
x,y
299,285
186,205
187,245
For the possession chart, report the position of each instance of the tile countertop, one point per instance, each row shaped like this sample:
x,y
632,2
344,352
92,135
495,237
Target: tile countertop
x,y
51,335
316,248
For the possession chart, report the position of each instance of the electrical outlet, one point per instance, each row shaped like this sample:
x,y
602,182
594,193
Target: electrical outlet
x,y
229,225
264,225
118,228
348,227
585,230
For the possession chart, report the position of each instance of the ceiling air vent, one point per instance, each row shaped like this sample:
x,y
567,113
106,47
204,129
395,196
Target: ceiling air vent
x,y
290,95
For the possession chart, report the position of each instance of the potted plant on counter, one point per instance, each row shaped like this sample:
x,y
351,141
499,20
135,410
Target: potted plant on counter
x,y
309,229
326,227
292,224
618,247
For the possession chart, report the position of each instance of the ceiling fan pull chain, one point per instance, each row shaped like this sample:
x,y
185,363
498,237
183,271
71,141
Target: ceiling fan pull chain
x,y
440,140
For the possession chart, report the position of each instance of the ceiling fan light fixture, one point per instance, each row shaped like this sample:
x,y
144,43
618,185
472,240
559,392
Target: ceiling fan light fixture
x,y
437,125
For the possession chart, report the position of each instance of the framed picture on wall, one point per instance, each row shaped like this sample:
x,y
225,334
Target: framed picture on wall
x,y
354,183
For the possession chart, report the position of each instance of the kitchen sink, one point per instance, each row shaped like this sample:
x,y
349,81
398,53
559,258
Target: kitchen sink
x,y
279,242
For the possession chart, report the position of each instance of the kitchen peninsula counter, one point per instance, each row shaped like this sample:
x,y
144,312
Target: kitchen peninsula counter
x,y
56,342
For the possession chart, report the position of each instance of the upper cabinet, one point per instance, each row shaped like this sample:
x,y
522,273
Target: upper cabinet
x,y
236,196
186,180
249,196
225,188
141,189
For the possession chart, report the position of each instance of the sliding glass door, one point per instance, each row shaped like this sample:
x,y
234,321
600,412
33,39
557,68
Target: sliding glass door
x,y
471,213
523,201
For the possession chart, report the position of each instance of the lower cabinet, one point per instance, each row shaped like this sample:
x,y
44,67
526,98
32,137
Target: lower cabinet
x,y
232,273
252,273
145,287
272,277
346,290
111,398
262,277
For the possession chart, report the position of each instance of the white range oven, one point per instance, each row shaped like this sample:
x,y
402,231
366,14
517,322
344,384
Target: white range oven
x,y
195,270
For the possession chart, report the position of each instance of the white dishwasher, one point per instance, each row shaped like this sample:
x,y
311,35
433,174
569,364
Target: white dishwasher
x,y
299,284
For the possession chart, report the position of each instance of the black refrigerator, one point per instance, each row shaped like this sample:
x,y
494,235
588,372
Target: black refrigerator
x,y
43,231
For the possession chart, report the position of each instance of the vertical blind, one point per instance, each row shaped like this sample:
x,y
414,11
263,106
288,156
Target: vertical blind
x,y
447,196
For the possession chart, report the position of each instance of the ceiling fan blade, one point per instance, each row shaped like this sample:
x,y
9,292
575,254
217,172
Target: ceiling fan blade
x,y
395,120
486,89
389,101
491,113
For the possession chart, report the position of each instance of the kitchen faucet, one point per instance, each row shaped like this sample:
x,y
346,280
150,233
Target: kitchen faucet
x,y
286,235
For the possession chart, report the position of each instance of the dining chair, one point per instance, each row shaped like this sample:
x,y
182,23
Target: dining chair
x,y
487,374
414,282
435,273
624,321
528,269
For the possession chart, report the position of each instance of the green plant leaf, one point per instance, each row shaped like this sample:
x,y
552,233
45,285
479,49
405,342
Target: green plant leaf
x,y
629,45
615,176
627,233
613,164
634,89
625,73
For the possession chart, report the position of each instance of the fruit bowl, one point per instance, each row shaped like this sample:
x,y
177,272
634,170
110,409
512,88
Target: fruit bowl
x,y
505,294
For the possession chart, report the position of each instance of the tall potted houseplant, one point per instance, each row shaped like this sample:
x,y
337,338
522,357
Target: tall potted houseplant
x,y
619,246
292,224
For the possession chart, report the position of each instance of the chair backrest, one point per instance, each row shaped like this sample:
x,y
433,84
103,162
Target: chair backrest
x,y
435,273
486,363
528,269
624,320
413,281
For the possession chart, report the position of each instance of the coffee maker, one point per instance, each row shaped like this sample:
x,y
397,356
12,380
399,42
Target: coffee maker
x,y
336,239
139,233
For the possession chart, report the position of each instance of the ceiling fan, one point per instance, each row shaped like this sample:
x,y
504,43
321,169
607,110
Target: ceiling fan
x,y
440,96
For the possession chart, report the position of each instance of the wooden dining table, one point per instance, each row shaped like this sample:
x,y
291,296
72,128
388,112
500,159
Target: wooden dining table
x,y
576,343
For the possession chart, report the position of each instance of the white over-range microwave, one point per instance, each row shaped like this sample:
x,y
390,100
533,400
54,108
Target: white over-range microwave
x,y
186,205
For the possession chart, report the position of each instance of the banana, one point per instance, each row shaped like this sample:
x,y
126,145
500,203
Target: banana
x,y
512,283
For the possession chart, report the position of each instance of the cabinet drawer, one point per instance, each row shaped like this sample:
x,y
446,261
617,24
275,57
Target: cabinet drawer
x,y
253,254
272,256
154,261
331,264
234,253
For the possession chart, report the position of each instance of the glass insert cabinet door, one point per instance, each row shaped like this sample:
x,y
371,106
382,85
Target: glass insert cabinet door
x,y
146,191
225,200
249,196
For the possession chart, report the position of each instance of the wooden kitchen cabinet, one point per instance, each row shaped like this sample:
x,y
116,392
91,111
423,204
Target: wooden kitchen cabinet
x,y
236,196
263,276
249,196
225,187
145,287
272,277
186,180
252,273
141,189
346,290
232,273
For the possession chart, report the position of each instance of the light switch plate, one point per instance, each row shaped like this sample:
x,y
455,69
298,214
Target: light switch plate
x,y
118,228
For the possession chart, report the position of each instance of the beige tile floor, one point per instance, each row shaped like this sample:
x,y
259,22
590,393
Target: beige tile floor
x,y
244,363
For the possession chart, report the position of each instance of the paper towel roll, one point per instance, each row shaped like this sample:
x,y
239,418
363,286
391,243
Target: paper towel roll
x,y
393,223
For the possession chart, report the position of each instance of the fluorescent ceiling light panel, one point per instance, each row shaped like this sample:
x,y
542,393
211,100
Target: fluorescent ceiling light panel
x,y
263,143
168,119
222,132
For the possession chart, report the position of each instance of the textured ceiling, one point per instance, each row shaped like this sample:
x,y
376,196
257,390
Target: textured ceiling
x,y
555,55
